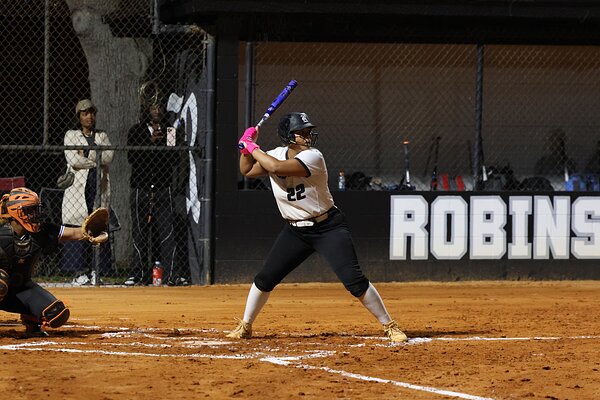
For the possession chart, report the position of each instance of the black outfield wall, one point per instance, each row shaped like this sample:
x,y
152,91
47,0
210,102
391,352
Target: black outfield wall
x,y
245,237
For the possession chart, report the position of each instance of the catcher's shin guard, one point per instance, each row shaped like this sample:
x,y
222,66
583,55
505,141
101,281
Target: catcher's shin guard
x,y
3,283
55,315
242,331
393,332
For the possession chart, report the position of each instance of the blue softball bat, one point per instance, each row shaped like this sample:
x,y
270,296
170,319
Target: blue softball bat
x,y
278,101
275,104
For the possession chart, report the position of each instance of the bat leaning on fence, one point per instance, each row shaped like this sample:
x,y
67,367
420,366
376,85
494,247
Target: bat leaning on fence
x,y
434,174
405,184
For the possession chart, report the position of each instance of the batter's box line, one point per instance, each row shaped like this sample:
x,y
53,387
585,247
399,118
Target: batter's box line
x,y
414,341
295,361
425,340
177,331
147,332
289,361
284,361
44,346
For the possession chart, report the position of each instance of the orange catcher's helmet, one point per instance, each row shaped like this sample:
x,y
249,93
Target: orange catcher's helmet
x,y
24,206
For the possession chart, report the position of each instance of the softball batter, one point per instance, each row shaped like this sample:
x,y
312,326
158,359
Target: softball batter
x,y
299,179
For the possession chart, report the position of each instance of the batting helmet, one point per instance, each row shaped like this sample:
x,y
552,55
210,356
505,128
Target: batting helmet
x,y
292,122
24,206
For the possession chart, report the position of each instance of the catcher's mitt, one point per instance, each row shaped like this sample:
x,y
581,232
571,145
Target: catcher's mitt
x,y
95,226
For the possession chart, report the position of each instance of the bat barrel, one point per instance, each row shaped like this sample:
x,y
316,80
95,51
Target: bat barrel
x,y
278,101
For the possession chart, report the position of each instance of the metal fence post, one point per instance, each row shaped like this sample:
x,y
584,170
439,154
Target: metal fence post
x,y
97,203
478,165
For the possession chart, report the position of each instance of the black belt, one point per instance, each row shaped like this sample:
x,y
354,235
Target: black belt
x,y
312,221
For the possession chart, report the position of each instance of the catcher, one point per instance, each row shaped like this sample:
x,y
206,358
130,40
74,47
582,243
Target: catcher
x,y
23,239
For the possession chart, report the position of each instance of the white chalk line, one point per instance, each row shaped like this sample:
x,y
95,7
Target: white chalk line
x,y
286,361
292,361
128,332
40,346
424,340
429,389
283,361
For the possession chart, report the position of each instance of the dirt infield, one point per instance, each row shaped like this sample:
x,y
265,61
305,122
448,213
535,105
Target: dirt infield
x,y
467,340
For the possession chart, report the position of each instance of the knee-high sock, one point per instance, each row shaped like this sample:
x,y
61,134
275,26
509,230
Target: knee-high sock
x,y
372,302
255,302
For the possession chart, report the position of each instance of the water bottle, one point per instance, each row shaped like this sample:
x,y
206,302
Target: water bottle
x,y
342,181
157,274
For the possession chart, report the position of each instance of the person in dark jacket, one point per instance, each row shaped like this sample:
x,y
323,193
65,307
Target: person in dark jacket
x,y
152,198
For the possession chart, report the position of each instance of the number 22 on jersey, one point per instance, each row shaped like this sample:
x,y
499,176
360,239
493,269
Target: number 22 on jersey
x,y
296,193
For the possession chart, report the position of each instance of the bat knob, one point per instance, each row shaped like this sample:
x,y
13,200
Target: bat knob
x,y
240,146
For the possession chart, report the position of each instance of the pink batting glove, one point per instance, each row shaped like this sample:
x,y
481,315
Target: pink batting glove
x,y
249,146
242,148
250,134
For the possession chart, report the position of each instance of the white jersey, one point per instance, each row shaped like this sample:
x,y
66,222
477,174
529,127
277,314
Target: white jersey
x,y
300,198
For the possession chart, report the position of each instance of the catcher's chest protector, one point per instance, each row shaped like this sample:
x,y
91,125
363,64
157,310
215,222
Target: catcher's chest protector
x,y
22,254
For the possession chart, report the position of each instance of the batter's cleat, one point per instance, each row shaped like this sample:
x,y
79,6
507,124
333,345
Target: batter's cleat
x,y
393,332
242,331
35,331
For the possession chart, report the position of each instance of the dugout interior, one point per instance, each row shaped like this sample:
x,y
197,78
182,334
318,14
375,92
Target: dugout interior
x,y
507,86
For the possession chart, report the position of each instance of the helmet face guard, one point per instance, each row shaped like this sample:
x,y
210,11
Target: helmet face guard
x,y
30,217
292,122
313,136
24,206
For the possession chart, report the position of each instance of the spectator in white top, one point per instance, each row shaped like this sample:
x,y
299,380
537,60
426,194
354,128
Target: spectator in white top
x,y
78,200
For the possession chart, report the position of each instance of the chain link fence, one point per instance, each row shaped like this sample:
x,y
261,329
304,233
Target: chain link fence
x,y
457,116
136,146
491,117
